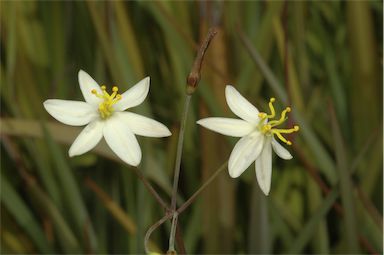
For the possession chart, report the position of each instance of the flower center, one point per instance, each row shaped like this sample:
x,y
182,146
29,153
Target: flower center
x,y
267,127
106,106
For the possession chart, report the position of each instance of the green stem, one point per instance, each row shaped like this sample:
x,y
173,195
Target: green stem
x,y
179,152
153,228
173,232
192,83
177,169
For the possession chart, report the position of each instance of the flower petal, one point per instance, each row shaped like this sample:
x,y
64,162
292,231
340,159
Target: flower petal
x,y
143,126
227,126
240,106
87,84
89,137
122,141
74,113
246,150
133,96
280,150
263,167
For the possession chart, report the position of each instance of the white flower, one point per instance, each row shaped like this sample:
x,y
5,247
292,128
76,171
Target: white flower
x,y
257,132
104,114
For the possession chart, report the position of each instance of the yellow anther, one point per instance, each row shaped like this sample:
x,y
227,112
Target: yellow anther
x,y
262,115
271,108
282,117
279,136
267,127
106,105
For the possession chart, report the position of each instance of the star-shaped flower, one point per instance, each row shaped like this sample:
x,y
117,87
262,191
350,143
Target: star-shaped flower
x,y
104,114
257,131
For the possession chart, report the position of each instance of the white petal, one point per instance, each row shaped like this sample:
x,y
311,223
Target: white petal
x,y
122,141
240,106
87,84
227,126
280,150
263,167
89,137
74,113
133,96
143,126
246,150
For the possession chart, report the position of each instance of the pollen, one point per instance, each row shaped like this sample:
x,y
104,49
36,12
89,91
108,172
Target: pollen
x,y
268,124
108,100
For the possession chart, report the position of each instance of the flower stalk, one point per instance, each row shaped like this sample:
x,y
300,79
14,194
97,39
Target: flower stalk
x,y
192,83
179,151
173,232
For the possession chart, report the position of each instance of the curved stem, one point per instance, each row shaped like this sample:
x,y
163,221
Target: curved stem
x,y
153,228
193,197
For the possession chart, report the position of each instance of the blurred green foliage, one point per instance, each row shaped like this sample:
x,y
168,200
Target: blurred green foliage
x,y
322,57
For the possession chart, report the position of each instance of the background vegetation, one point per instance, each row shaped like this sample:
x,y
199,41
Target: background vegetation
x,y
324,58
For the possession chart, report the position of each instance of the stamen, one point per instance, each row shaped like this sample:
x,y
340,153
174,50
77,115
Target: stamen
x,y
268,127
273,113
274,131
117,98
262,115
282,118
287,131
106,106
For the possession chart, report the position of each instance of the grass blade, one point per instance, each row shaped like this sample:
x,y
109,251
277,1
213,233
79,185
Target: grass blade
x,y
15,205
347,193
309,229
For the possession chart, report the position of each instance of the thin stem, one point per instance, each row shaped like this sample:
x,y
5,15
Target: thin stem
x,y
193,197
192,83
179,152
153,228
151,189
173,232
